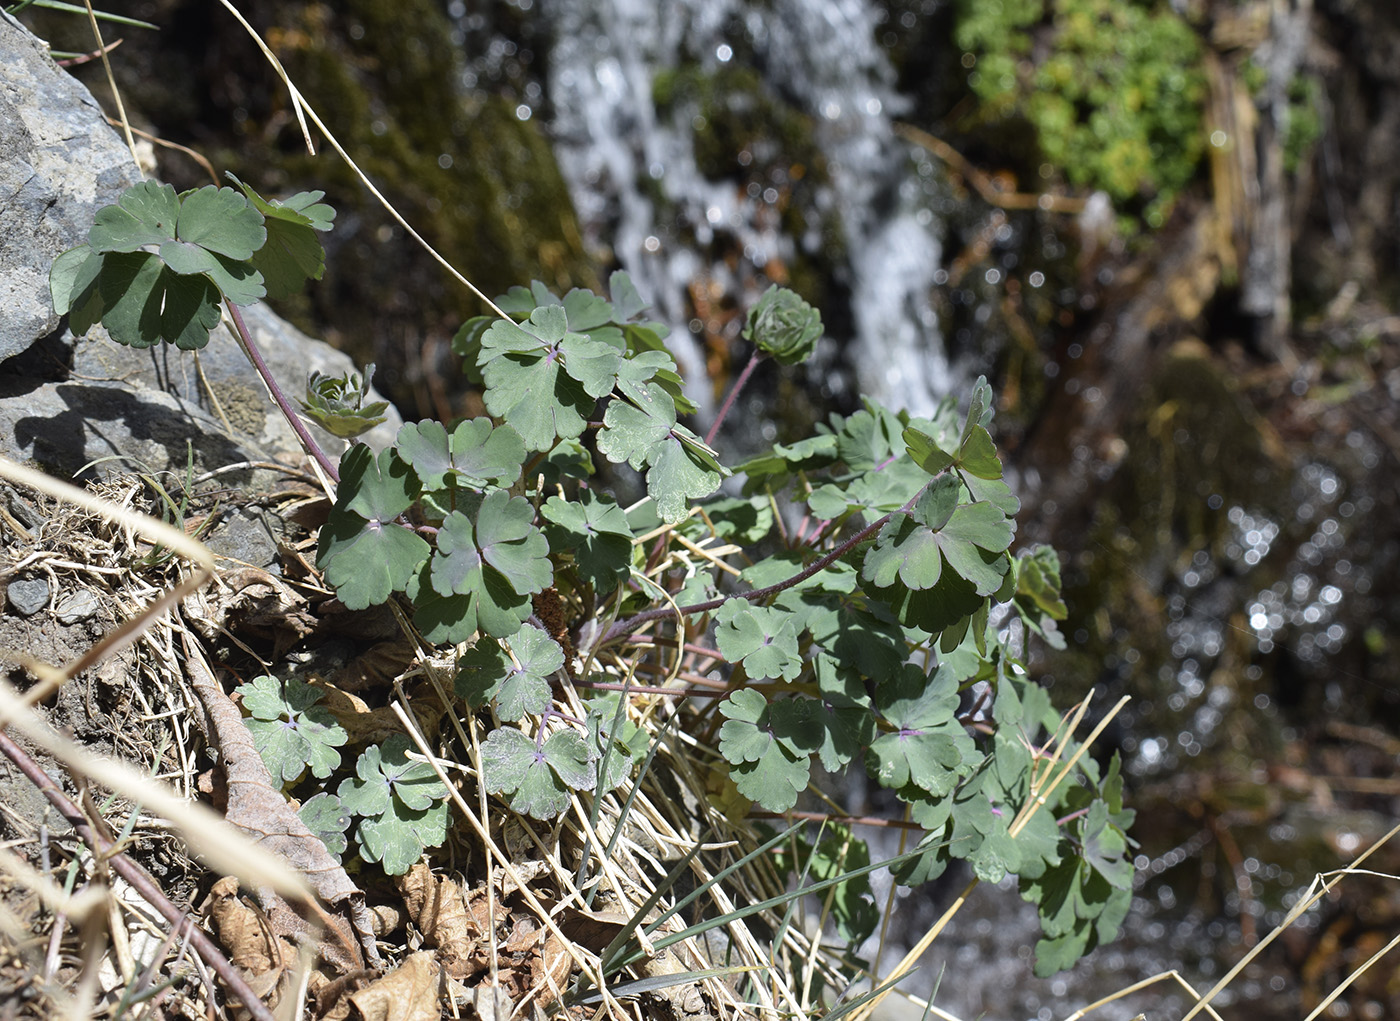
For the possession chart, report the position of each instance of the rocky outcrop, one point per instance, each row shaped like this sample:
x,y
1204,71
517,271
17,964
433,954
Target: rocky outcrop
x,y
67,402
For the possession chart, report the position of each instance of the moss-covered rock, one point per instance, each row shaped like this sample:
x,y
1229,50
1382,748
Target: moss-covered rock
x,y
1112,90
745,132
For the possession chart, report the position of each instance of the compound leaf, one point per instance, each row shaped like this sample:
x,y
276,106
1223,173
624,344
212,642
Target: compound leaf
x,y
537,777
145,303
401,803
486,671
644,433
762,637
289,730
525,381
397,839
364,553
765,768
927,747
326,817
510,542
594,530
145,214
476,454
222,221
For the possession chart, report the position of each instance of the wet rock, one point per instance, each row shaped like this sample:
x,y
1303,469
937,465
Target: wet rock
x,y
28,596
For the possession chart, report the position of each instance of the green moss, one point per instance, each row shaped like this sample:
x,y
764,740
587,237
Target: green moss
x,y
483,184
1304,121
1112,89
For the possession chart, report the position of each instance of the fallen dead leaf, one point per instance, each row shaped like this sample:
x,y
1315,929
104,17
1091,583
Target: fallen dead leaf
x,y
437,907
408,993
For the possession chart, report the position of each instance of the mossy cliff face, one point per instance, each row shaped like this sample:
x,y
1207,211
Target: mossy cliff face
x,y
478,181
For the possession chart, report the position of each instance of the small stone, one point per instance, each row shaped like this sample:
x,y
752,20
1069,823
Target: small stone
x,y
28,596
77,607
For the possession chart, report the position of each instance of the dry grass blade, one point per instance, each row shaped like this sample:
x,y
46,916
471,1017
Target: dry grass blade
x,y
1319,889
225,849
1040,793
158,532
1136,987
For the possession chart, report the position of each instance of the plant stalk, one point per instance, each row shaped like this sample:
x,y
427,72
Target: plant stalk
x,y
631,624
757,357
293,419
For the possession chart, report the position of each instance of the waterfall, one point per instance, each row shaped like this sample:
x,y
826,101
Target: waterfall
x,y
641,195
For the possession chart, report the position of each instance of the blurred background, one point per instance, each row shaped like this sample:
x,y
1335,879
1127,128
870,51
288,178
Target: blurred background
x,y
1166,230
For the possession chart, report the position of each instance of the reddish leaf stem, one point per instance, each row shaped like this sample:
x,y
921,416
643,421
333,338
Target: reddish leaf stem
x,y
293,419
757,357
624,627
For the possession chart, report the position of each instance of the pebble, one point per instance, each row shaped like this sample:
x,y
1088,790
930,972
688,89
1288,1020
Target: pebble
x,y
77,607
28,595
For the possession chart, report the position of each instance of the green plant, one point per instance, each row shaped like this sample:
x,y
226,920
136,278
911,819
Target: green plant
x,y
400,803
156,265
290,731
869,624
1114,90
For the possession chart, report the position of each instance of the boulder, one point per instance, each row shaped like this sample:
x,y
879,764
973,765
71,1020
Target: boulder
x,y
66,402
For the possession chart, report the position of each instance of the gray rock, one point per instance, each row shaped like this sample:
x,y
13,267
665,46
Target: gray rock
x,y
28,596
67,402
59,163
248,536
222,383
76,607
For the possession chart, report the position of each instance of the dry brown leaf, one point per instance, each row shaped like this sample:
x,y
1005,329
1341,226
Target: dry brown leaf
x,y
364,725
264,958
252,602
261,811
682,1002
593,929
437,907
408,993
534,961
490,1002
377,666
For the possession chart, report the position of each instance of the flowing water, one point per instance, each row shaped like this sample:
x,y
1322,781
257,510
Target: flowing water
x,y
640,190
